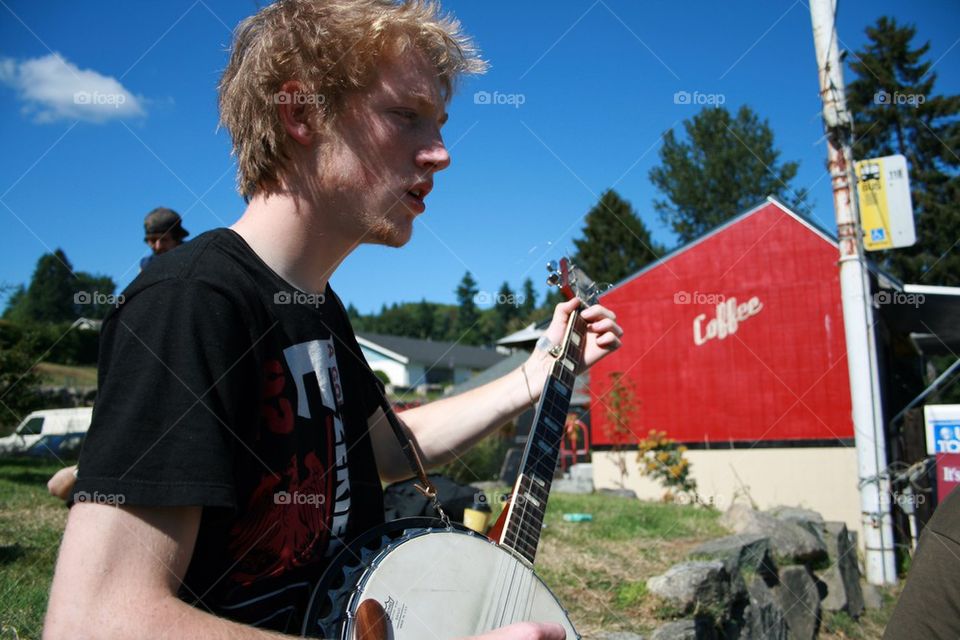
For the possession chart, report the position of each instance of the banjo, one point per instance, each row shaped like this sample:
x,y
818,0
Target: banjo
x,y
425,578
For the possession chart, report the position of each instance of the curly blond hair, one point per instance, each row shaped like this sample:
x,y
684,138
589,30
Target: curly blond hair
x,y
331,47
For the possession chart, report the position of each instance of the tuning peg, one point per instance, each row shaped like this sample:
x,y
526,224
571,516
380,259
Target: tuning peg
x,y
553,279
552,266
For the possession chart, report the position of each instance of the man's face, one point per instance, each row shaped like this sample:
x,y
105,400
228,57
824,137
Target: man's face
x,y
161,242
377,166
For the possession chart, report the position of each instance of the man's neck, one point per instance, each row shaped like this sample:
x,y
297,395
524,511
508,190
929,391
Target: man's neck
x,y
294,240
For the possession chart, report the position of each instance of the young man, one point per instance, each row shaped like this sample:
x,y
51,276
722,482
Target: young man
x,y
230,375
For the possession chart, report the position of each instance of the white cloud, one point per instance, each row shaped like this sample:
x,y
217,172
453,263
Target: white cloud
x,y
52,88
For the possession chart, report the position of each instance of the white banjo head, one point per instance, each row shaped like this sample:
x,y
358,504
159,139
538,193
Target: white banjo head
x,y
450,584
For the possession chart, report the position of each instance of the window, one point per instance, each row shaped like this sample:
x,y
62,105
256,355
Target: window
x,y
32,427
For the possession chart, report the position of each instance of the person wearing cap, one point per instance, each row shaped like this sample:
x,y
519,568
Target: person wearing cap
x,y
163,230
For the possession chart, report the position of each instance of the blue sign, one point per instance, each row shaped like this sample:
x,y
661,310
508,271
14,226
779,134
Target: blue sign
x,y
946,436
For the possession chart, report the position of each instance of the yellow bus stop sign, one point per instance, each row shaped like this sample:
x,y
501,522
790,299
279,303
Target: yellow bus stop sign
x,y
886,211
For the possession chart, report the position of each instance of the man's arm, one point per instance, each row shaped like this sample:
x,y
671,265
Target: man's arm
x,y
447,427
118,573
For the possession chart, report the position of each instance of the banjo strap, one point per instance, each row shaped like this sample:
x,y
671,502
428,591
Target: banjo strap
x,y
426,487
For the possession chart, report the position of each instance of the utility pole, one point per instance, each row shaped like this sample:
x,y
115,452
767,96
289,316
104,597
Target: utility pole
x,y
857,308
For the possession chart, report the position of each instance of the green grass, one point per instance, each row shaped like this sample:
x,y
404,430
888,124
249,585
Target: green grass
x,y
618,519
31,525
64,375
598,569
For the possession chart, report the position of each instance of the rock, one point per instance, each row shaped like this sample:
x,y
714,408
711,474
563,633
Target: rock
x,y
872,598
697,629
622,493
788,540
741,552
842,578
800,602
763,618
698,586
618,635
572,485
809,519
796,514
581,470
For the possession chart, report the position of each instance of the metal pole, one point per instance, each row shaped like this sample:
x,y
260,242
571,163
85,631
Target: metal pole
x,y
857,309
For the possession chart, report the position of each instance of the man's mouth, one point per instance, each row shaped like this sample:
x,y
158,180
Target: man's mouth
x,y
418,193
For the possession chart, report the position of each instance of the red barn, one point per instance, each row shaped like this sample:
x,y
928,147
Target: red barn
x,y
734,345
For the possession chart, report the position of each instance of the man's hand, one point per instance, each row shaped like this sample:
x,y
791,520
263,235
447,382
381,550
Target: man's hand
x,y
603,332
61,484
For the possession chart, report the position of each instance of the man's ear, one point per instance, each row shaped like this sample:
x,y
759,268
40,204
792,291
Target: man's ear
x,y
295,110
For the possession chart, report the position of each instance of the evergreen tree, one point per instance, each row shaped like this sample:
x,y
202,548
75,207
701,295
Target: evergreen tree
x,y
529,301
424,319
615,241
727,165
98,295
895,111
504,311
16,310
50,296
467,313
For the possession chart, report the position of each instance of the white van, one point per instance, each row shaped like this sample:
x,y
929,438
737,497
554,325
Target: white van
x,y
49,432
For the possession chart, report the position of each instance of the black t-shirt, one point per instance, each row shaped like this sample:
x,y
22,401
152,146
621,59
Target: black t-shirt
x,y
222,386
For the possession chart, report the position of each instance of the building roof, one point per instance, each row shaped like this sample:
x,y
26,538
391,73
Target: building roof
x,y
433,353
527,336
815,228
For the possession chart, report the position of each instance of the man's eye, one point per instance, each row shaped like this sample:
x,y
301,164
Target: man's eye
x,y
406,114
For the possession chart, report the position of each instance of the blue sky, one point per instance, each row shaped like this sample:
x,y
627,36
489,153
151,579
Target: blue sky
x,y
581,93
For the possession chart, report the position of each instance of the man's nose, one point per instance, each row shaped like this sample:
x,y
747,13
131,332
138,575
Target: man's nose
x,y
434,157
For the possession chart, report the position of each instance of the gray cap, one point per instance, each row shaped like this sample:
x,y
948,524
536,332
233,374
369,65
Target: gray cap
x,y
164,221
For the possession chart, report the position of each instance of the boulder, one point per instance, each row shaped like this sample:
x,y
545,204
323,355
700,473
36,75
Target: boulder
x,y
697,629
800,602
842,578
789,541
763,618
618,635
741,552
699,586
620,493
809,519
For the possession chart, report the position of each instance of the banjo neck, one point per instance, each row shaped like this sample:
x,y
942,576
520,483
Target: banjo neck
x,y
524,520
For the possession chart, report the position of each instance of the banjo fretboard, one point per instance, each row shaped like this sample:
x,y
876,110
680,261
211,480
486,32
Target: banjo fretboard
x,y
521,531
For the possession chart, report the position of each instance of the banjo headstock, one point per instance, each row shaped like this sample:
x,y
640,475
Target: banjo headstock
x,y
573,282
